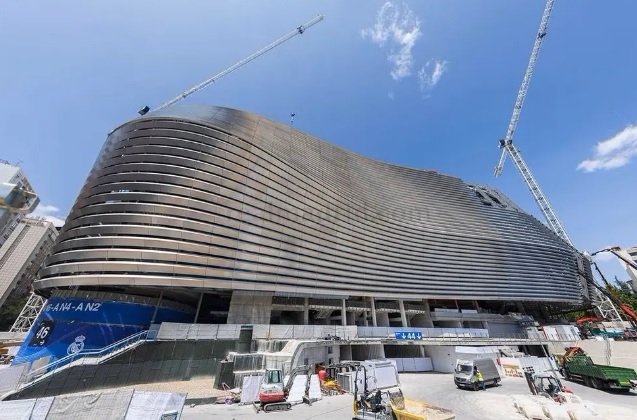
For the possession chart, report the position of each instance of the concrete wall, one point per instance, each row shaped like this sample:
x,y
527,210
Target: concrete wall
x,y
151,362
443,358
250,308
320,354
504,328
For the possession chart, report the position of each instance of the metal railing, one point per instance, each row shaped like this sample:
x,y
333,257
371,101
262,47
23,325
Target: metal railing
x,y
111,349
176,331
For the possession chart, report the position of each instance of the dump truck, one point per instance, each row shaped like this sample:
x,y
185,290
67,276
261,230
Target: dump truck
x,y
576,365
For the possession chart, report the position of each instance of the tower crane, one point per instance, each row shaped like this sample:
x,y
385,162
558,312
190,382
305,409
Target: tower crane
x,y
603,304
297,31
35,302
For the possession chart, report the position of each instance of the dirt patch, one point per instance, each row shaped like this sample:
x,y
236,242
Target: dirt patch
x,y
428,411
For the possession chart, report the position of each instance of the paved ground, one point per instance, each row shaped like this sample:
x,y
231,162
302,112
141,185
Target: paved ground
x,y
436,389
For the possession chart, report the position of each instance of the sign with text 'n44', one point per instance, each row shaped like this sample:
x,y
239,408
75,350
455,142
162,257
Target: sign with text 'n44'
x,y
408,335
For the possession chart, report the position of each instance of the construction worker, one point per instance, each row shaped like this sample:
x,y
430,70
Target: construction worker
x,y
477,376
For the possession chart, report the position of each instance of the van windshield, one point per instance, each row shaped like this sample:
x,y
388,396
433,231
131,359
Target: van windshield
x,y
464,369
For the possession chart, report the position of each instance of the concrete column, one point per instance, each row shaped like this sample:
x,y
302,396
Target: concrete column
x,y
423,320
365,315
306,312
344,313
373,301
161,296
383,319
248,307
476,306
351,318
198,307
403,316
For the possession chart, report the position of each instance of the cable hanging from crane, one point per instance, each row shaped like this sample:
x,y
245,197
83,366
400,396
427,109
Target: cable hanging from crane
x,y
297,31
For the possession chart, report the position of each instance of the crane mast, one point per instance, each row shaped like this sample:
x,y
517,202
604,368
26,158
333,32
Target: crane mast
x,y
507,146
524,87
297,31
603,304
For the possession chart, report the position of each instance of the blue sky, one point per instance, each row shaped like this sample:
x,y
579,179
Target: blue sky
x,y
71,71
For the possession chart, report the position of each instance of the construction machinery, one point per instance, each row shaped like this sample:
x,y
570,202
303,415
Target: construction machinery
x,y
547,385
632,316
576,365
297,31
272,396
506,144
603,305
378,396
274,390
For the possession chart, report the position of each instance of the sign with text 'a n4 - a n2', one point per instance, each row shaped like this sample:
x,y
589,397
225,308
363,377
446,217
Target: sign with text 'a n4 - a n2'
x,y
408,335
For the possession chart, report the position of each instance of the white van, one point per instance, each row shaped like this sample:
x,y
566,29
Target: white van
x,y
463,376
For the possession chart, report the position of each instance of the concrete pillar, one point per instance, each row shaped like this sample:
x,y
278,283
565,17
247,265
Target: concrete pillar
x,y
306,311
475,305
365,315
423,320
198,307
344,313
403,316
383,319
373,301
250,307
161,296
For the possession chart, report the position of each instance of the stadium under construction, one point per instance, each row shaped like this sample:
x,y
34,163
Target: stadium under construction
x,y
211,215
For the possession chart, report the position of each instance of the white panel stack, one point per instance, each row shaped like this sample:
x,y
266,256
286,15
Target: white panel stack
x,y
297,391
250,389
314,393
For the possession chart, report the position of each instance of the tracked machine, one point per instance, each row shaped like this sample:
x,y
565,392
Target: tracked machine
x,y
274,390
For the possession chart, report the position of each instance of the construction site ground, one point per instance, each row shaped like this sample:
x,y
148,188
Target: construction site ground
x,y
436,389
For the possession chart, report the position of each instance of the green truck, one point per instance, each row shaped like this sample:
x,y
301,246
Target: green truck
x,y
581,368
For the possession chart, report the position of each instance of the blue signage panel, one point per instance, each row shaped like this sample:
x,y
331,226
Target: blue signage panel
x,y
67,326
408,335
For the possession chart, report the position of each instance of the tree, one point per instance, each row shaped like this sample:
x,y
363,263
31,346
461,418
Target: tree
x,y
10,311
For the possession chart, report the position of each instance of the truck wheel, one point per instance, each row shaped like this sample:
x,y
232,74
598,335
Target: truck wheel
x,y
566,375
597,384
475,387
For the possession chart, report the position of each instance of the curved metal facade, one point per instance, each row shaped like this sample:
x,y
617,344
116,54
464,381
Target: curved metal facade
x,y
216,198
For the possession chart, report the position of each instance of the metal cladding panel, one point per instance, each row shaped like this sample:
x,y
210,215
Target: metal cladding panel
x,y
227,199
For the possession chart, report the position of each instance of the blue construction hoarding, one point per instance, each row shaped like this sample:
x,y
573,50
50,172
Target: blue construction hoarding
x,y
70,325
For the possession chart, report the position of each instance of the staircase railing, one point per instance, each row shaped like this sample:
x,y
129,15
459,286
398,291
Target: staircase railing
x,y
97,353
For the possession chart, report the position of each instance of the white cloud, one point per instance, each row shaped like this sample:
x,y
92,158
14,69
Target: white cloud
x,y
48,212
429,75
401,27
390,95
613,152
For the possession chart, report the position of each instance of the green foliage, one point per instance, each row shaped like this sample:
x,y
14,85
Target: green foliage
x,y
9,312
